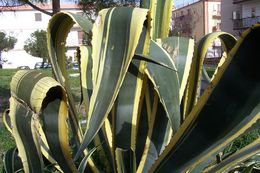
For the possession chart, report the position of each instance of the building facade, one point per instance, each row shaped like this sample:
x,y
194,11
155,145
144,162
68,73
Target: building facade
x,y
238,15
198,18
21,21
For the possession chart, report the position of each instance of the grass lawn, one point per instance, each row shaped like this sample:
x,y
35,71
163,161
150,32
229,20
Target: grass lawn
x,y
6,142
6,139
5,79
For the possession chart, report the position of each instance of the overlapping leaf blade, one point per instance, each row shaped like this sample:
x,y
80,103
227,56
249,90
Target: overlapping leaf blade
x,y
127,108
180,50
191,94
161,12
11,161
162,17
85,75
46,100
166,84
58,29
236,94
125,160
240,156
113,51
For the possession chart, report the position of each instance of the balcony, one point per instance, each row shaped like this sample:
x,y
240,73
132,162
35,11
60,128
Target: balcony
x,y
216,15
246,22
240,1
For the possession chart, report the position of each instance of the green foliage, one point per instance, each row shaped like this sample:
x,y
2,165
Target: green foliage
x,y
19,2
6,42
175,32
5,78
33,4
242,141
91,7
36,45
6,142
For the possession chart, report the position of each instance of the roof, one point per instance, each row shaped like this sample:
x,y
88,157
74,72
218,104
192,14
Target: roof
x,y
192,2
42,6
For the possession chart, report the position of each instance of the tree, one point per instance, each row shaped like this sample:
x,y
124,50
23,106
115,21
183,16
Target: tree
x,y
6,43
32,3
36,45
92,7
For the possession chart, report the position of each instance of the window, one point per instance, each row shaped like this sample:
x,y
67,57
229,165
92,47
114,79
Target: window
x,y
216,7
219,7
38,17
188,11
236,15
253,12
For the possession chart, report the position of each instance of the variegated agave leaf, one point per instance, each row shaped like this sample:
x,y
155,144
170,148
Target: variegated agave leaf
x,y
58,29
113,51
141,100
221,114
46,99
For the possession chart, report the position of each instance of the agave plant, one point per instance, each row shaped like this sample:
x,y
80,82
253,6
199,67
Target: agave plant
x,y
140,93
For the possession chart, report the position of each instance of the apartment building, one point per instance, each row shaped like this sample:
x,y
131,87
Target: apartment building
x,y
238,15
197,18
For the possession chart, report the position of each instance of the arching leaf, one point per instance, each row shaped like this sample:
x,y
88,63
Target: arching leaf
x,y
114,42
236,94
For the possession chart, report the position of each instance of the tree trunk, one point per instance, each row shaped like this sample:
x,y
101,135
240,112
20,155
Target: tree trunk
x,y
1,61
55,6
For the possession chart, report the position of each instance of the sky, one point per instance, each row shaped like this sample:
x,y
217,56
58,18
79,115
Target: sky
x,y
181,3
70,1
177,3
67,1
